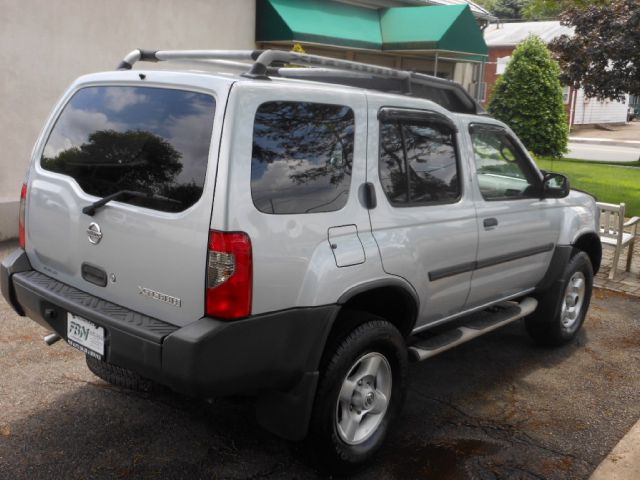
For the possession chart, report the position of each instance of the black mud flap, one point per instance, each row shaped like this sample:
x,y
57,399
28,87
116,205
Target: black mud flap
x,y
287,414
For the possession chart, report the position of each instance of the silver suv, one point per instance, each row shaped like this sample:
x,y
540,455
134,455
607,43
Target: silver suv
x,y
299,234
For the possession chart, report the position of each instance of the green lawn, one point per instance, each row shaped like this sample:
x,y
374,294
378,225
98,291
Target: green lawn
x,y
608,182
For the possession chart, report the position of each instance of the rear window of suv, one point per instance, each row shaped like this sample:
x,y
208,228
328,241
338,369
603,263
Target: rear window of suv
x,y
154,141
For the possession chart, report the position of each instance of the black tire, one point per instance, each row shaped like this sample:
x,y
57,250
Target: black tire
x,y
374,338
121,377
546,325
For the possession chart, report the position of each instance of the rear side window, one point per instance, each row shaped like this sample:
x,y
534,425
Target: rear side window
x,y
153,141
302,157
418,163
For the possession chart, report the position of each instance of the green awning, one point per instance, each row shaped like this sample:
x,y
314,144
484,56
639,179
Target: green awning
x,y
318,21
449,28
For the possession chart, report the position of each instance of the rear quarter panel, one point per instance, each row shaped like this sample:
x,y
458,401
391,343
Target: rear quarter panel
x,y
293,264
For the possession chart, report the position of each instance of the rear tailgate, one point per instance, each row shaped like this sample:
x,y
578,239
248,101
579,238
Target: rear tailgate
x,y
145,252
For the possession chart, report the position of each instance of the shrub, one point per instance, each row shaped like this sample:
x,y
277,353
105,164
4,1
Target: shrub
x,y
528,98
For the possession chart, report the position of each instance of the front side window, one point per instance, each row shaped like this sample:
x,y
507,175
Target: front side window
x,y
153,141
503,171
302,157
418,162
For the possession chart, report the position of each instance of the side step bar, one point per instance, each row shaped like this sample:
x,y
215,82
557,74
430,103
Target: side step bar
x,y
476,325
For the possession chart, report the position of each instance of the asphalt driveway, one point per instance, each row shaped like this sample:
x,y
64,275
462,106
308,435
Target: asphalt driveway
x,y
498,407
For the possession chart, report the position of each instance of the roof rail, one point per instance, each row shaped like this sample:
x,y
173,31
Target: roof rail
x,y
140,55
447,93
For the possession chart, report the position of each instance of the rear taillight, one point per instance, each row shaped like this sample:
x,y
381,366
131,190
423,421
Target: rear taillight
x,y
22,233
229,275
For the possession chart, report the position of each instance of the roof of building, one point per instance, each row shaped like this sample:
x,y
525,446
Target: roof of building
x,y
476,9
512,34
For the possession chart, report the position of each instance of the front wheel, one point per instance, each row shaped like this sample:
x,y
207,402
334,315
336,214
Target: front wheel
x,y
563,308
361,390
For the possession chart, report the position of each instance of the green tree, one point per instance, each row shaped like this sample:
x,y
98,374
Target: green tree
x,y
528,97
539,9
535,9
603,55
510,9
487,4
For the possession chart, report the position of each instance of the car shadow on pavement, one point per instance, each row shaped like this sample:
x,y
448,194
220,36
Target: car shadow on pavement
x,y
498,407
477,413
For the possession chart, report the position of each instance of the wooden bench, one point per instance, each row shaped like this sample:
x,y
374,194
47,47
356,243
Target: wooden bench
x,y
612,232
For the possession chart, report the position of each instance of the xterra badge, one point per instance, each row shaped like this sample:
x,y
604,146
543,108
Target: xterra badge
x,y
163,297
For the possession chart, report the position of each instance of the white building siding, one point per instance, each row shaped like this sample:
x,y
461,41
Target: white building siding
x,y
592,111
45,45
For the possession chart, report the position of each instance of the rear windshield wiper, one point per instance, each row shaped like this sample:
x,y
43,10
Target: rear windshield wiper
x,y
91,209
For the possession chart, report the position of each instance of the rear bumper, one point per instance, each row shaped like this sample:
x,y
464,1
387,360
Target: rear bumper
x,y
208,357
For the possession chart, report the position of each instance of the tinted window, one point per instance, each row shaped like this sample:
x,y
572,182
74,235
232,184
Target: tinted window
x,y
418,163
149,140
502,170
302,157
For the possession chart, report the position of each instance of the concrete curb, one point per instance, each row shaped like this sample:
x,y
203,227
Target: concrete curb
x,y
623,463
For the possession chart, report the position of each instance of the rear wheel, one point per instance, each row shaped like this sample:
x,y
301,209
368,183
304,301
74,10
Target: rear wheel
x,y
121,377
361,390
563,308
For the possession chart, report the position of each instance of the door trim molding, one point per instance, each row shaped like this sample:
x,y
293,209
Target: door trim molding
x,y
508,257
451,271
488,262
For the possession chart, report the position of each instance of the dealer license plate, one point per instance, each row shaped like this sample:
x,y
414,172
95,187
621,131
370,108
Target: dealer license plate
x,y
86,336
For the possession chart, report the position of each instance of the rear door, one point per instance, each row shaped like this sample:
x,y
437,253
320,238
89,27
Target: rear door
x,y
144,250
424,222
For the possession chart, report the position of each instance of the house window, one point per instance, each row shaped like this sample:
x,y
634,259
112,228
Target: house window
x,y
566,94
501,65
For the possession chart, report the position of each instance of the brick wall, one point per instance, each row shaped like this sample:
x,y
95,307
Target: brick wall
x,y
490,76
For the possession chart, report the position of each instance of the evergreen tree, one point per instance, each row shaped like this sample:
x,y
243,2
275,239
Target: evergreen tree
x,y
528,97
510,9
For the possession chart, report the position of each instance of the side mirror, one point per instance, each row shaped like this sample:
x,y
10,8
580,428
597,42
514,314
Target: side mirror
x,y
555,185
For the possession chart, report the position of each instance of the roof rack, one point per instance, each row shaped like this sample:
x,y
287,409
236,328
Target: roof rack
x,y
269,63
